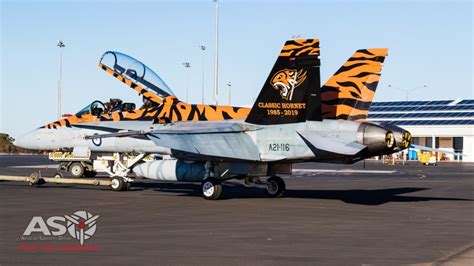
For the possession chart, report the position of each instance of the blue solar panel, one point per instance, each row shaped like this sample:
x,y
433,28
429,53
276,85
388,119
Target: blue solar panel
x,y
419,115
466,102
431,122
440,102
411,103
422,108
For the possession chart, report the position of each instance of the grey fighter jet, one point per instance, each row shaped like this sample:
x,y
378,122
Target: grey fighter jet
x,y
354,83
293,120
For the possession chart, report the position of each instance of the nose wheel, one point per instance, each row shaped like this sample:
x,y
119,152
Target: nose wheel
x,y
211,188
275,187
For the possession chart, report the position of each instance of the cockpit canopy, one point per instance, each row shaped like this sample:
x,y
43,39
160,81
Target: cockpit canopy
x,y
97,108
135,70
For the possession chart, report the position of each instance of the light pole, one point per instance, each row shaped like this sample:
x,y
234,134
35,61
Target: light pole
x,y
230,89
61,45
187,65
407,91
216,56
203,48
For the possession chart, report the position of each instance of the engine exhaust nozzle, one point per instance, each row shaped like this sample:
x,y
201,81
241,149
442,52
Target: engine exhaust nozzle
x,y
402,137
378,139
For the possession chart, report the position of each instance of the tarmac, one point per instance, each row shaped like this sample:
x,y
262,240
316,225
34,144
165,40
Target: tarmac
x,y
330,215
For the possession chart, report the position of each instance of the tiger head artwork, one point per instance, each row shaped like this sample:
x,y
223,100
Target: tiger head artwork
x,y
286,80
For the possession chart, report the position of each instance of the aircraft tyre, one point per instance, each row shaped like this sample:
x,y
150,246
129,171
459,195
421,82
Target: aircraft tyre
x,y
77,169
275,187
211,188
117,183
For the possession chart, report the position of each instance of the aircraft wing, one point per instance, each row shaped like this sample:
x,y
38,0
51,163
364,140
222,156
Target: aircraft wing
x,y
216,139
424,148
238,146
213,139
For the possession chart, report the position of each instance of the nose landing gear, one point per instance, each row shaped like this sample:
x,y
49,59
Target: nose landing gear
x,y
119,184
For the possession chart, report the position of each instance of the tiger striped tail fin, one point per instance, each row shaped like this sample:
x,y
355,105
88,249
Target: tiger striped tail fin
x,y
290,93
349,92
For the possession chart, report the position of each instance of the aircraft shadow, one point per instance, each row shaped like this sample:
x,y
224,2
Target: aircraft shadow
x,y
233,190
351,196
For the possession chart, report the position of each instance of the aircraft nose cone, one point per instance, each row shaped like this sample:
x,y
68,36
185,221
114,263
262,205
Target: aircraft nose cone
x,y
27,141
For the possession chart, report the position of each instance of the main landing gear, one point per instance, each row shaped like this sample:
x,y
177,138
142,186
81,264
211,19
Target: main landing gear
x,y
275,187
211,187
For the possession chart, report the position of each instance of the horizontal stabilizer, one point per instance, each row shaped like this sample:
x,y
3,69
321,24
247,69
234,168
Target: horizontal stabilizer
x,y
424,148
322,145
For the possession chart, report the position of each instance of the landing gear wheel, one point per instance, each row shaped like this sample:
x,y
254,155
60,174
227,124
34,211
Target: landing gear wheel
x,y
90,173
275,187
211,188
117,183
77,169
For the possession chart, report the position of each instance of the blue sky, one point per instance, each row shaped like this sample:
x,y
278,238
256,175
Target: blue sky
x,y
430,42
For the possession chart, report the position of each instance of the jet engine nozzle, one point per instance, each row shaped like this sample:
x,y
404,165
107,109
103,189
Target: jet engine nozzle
x,y
378,139
389,139
406,139
402,137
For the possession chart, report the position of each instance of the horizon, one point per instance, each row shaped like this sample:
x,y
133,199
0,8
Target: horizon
x,y
430,43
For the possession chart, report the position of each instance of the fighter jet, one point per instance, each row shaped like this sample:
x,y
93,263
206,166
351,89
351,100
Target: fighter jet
x,y
292,120
351,83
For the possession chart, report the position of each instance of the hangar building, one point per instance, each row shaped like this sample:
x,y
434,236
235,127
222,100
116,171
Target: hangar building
x,y
443,124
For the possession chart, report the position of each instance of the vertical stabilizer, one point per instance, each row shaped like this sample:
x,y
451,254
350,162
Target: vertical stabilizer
x,y
350,91
290,92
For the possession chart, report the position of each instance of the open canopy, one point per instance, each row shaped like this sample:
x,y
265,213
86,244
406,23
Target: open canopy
x,y
136,71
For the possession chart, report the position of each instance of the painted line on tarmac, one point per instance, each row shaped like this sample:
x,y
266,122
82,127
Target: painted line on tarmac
x,y
345,171
35,166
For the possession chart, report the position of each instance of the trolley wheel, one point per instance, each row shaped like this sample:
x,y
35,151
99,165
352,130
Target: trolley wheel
x,y
275,187
77,169
211,188
117,183
58,175
33,179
